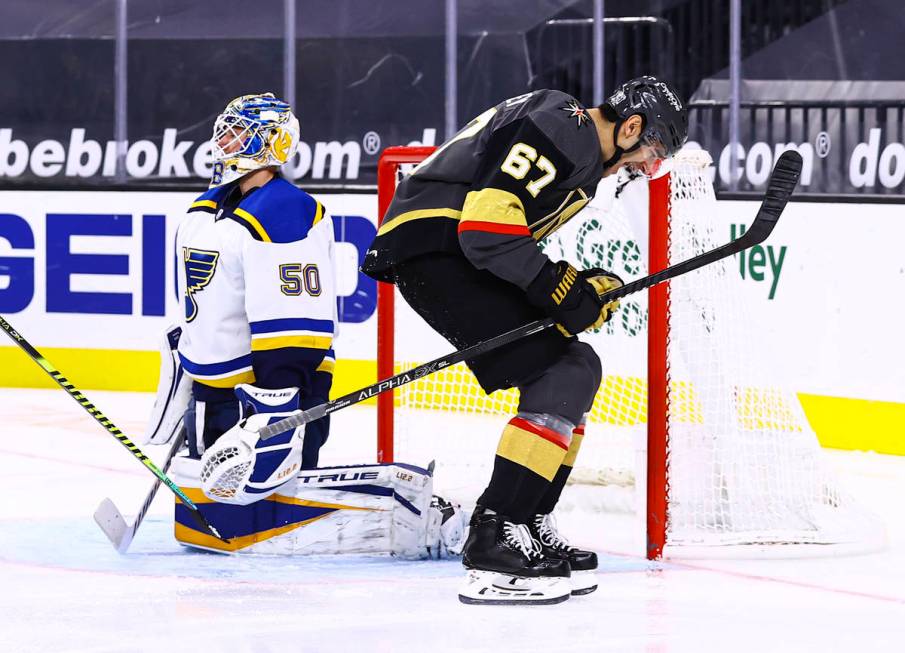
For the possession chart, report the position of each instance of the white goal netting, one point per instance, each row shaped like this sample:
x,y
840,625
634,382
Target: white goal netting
x,y
744,470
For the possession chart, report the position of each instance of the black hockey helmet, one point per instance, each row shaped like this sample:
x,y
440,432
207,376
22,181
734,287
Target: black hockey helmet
x,y
658,104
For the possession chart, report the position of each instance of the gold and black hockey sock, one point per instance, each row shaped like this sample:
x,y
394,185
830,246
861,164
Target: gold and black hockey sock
x,y
527,460
554,491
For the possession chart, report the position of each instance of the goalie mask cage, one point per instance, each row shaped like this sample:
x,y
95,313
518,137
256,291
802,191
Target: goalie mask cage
x,y
686,430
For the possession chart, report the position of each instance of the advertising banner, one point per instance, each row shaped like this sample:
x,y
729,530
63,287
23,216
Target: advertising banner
x,y
847,150
89,277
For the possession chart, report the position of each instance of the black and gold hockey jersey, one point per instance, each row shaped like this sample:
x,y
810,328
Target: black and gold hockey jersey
x,y
510,177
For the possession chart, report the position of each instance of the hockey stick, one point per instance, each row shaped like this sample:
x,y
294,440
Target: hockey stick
x,y
64,383
111,520
782,182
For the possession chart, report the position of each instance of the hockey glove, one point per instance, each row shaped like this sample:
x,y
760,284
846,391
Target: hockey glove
x,y
241,468
563,294
603,281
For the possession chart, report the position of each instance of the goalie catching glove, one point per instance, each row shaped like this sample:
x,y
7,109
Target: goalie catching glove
x,y
241,468
572,298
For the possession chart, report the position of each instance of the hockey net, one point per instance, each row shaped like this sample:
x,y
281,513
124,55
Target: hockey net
x,y
686,428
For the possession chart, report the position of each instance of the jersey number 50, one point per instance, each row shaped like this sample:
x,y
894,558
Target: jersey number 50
x,y
298,279
518,164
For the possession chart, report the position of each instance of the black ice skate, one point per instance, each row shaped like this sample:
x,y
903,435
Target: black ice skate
x,y
506,566
582,563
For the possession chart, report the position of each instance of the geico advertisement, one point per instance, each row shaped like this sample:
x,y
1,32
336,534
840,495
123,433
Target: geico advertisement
x,y
96,269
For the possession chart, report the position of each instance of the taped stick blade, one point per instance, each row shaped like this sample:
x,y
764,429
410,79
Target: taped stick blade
x,y
783,181
780,187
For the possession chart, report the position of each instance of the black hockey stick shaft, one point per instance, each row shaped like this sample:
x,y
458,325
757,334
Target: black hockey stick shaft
x,y
782,183
73,392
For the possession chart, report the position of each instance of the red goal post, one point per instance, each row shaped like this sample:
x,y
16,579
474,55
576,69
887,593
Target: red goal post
x,y
387,171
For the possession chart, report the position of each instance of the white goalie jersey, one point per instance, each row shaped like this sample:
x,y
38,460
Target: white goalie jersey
x,y
256,276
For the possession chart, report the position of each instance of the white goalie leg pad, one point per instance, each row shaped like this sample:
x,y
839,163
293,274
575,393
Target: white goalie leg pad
x,y
383,509
451,527
240,468
386,508
174,389
361,509
493,588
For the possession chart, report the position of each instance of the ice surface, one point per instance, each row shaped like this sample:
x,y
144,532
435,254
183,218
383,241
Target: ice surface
x,y
66,589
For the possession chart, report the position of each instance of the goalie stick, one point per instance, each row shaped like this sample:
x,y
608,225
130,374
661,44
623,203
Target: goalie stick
x,y
780,186
111,520
73,392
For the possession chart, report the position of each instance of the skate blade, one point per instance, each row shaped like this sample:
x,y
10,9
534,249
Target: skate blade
x,y
491,588
583,582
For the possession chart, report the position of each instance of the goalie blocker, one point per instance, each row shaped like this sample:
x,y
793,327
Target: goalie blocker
x,y
359,509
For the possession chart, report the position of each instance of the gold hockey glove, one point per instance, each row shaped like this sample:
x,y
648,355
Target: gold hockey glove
x,y
603,281
563,294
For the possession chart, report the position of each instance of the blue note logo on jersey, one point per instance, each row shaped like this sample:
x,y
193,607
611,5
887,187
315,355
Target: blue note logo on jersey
x,y
200,265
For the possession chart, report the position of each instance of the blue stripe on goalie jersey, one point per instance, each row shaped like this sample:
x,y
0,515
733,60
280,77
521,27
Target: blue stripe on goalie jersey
x,y
285,213
287,324
200,266
216,369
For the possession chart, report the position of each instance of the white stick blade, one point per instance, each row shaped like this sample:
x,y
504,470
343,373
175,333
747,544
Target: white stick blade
x,y
111,521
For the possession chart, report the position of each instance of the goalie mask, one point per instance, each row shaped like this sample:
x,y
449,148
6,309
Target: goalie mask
x,y
253,132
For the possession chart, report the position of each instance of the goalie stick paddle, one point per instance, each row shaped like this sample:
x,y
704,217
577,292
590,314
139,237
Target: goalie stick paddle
x,y
782,182
73,392
111,520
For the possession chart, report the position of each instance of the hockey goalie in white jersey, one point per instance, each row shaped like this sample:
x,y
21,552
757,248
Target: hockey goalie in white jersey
x,y
256,275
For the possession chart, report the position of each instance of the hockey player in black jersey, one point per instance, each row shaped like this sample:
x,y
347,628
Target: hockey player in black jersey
x,y
460,241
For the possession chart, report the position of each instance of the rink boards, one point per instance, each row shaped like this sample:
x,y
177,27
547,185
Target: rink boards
x,y
86,277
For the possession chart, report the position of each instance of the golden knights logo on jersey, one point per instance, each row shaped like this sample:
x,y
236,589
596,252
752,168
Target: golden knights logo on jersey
x,y
200,265
578,112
